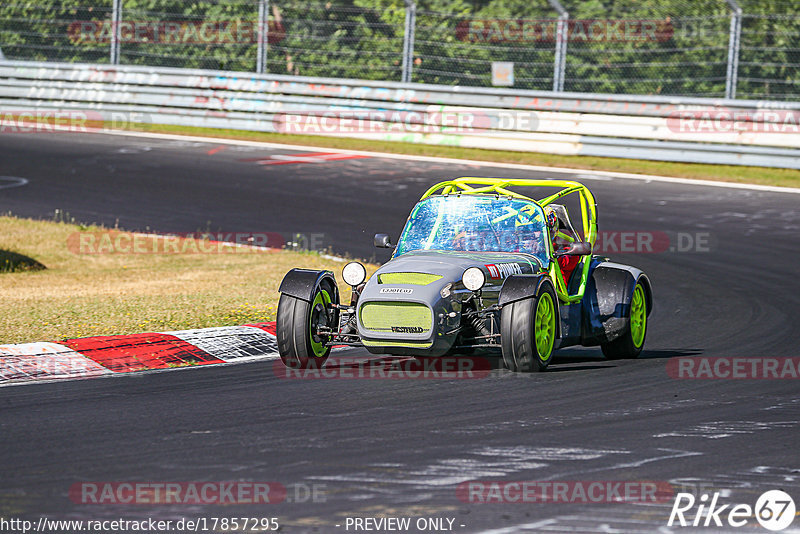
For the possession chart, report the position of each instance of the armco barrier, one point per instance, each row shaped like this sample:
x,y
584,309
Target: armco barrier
x,y
642,127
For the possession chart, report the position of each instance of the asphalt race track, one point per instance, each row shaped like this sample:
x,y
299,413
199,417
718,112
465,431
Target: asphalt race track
x,y
401,447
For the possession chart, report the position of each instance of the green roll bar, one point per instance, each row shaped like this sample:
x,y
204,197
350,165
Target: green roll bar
x,y
499,186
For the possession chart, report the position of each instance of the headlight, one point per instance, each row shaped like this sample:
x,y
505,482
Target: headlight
x,y
473,278
354,273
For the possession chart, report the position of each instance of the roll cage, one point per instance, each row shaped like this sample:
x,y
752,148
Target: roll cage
x,y
500,187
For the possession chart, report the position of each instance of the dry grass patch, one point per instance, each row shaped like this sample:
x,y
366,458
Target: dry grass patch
x,y
80,295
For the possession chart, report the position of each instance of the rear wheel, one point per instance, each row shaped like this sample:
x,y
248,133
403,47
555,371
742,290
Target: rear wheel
x,y
528,332
299,343
630,344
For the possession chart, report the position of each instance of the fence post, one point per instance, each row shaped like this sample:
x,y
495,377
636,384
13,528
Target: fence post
x,y
263,36
116,18
560,62
734,43
408,41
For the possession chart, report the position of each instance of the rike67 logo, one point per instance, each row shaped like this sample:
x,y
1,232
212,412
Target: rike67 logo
x,y
774,510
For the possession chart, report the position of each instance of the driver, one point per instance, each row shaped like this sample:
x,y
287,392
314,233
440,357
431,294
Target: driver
x,y
528,231
530,239
562,236
469,240
460,241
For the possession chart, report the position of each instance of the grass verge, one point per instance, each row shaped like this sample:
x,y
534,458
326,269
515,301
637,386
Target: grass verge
x,y
81,295
721,173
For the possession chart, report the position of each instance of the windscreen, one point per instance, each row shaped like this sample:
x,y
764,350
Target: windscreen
x,y
475,224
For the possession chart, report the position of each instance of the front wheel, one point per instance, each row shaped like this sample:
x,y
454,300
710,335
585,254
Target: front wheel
x,y
528,332
630,344
300,344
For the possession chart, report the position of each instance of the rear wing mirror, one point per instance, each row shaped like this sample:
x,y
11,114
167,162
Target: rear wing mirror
x,y
579,248
383,241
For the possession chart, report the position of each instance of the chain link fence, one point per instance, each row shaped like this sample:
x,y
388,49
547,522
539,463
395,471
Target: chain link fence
x,y
710,48
460,49
339,40
652,50
200,34
41,31
769,64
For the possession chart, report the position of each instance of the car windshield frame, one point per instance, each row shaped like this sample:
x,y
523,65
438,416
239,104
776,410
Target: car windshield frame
x,y
476,223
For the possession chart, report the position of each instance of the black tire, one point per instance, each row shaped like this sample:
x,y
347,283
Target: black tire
x,y
630,344
298,346
518,335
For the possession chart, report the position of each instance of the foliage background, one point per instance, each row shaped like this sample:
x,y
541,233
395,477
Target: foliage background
x,y
364,39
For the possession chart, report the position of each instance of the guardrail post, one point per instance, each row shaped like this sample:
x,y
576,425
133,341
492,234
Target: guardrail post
x,y
408,41
263,36
560,62
116,18
2,57
734,43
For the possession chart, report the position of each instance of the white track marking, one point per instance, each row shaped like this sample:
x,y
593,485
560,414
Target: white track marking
x,y
726,429
671,455
14,182
547,453
386,155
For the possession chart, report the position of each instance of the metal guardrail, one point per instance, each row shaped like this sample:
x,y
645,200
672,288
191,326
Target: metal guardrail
x,y
641,127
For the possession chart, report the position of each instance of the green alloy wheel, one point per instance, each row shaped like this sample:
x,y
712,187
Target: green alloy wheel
x,y
630,344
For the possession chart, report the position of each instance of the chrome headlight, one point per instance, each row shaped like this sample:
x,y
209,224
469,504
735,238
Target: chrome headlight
x,y
473,278
354,273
